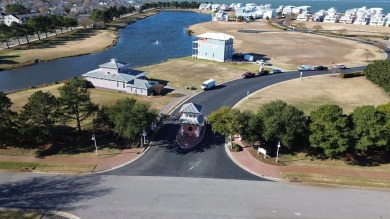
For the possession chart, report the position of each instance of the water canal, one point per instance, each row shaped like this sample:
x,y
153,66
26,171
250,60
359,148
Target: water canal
x,y
145,42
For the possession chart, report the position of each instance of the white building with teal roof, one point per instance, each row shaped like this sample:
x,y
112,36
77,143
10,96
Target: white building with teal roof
x,y
117,76
213,46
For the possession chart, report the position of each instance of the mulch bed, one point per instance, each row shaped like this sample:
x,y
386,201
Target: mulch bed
x,y
267,160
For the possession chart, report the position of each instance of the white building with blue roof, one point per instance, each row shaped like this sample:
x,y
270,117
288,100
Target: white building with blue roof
x,y
116,75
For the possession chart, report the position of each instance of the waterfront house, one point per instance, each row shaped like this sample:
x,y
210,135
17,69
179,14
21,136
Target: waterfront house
x,y
378,20
117,76
319,16
205,6
332,16
304,16
220,16
213,46
348,17
362,20
191,120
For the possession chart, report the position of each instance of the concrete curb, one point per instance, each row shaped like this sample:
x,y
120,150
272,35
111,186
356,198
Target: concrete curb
x,y
126,163
58,213
248,170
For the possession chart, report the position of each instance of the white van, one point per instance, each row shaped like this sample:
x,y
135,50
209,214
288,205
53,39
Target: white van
x,y
209,84
304,68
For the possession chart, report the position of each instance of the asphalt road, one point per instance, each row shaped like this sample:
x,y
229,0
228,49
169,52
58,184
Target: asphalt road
x,y
208,159
166,158
108,196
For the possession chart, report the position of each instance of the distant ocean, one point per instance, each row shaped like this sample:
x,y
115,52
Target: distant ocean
x,y
316,5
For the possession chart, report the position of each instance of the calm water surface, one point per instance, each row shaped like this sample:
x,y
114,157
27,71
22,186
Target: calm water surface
x,y
145,42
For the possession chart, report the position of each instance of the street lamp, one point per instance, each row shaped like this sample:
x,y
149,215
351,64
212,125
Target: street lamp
x,y
277,151
144,134
94,139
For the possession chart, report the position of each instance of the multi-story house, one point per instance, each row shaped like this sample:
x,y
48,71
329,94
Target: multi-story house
x,y
332,16
213,46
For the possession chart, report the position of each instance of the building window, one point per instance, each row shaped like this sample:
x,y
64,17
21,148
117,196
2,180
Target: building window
x,y
117,84
206,53
124,85
213,54
190,129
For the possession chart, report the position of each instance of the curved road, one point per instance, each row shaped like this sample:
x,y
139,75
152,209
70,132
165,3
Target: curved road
x,y
208,159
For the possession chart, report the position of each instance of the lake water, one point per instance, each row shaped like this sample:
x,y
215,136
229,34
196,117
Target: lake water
x,y
149,41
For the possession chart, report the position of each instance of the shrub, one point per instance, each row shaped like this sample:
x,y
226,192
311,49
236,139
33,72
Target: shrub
x,y
236,147
158,89
351,74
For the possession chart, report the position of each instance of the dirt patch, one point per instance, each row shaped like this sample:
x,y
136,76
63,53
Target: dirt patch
x,y
288,49
185,72
308,94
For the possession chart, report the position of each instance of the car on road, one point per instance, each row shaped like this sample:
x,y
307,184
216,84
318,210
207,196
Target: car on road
x,y
248,75
304,68
275,71
320,68
340,66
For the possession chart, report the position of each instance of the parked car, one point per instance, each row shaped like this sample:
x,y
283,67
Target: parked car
x,y
304,68
275,71
248,75
320,68
262,62
340,66
262,72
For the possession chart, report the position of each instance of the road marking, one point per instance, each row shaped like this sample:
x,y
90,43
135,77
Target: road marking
x,y
297,214
191,167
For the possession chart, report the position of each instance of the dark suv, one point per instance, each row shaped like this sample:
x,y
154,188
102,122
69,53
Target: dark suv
x,y
248,75
320,68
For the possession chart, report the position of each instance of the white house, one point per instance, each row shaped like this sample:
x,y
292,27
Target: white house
x,y
20,18
332,16
213,46
349,17
220,16
304,16
116,75
319,16
362,20
378,20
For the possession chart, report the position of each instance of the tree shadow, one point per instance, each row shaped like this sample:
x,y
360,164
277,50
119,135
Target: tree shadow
x,y
70,141
50,192
220,86
168,142
7,60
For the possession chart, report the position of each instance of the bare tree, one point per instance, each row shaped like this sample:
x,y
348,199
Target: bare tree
x,y
368,54
85,22
287,21
317,27
342,31
300,25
